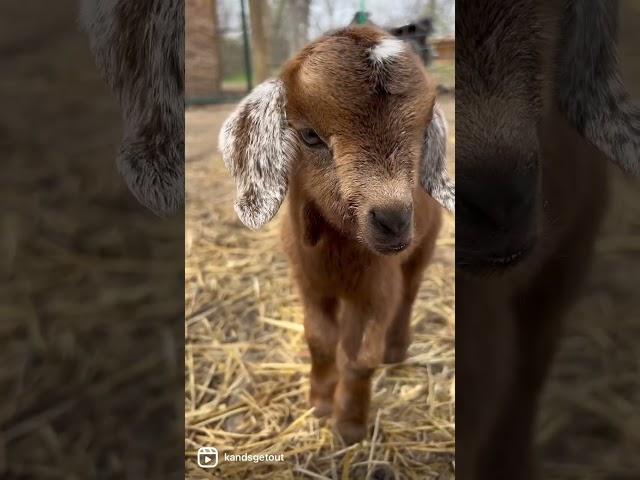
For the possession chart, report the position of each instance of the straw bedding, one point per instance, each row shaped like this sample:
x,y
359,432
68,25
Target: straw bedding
x,y
247,362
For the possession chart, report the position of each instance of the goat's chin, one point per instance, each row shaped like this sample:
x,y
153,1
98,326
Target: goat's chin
x,y
387,249
492,264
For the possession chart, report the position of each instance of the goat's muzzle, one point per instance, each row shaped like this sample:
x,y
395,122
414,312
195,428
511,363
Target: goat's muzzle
x,y
390,228
497,218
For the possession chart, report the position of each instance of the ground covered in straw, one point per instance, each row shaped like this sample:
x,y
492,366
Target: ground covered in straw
x,y
247,362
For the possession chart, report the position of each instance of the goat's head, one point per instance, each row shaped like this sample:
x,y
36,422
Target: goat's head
x,y
499,96
514,59
353,115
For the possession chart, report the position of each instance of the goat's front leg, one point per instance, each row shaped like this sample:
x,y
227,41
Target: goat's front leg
x,y
398,335
399,332
321,333
360,351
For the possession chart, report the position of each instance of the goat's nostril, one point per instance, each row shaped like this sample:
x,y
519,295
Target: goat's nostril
x,y
391,222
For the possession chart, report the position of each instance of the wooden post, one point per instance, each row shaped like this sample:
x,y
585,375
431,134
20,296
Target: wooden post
x,y
247,54
260,38
202,54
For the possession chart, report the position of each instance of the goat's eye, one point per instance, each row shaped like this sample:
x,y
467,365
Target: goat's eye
x,y
310,137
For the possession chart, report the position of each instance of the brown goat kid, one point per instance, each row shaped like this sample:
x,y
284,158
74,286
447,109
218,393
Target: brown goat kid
x,y
352,131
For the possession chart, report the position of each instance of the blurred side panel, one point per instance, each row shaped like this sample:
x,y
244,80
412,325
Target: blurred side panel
x,y
92,293
547,239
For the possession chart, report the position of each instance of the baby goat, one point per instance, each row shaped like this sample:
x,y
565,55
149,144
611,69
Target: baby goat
x,y
352,130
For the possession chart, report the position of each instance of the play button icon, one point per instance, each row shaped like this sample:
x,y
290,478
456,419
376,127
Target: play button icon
x,y
207,457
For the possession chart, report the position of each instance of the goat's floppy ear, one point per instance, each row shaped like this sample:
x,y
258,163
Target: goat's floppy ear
x,y
589,86
434,177
139,49
258,148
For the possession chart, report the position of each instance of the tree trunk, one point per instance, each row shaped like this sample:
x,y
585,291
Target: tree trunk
x,y
202,49
299,23
260,38
433,8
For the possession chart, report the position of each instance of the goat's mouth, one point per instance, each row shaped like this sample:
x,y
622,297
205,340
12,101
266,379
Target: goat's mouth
x,y
391,248
493,263
389,231
509,259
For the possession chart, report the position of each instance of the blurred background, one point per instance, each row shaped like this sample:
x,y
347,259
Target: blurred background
x,y
91,283
232,45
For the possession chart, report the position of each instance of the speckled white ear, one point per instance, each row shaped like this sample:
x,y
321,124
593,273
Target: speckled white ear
x,y
434,175
258,148
139,49
589,85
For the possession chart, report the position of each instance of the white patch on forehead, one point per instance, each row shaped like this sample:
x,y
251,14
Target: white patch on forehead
x,y
387,49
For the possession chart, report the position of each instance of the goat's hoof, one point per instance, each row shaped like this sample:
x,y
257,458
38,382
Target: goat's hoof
x,y
395,354
350,431
323,406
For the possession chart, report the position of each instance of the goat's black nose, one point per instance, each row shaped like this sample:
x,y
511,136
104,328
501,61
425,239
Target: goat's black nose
x,y
505,203
496,216
391,223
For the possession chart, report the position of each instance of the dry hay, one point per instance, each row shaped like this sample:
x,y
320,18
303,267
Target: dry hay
x,y
247,362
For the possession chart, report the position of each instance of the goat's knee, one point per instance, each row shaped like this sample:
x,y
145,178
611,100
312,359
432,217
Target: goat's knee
x,y
398,336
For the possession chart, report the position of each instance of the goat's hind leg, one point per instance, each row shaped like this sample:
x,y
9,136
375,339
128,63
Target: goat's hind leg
x,y
321,333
